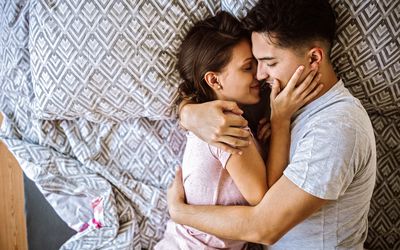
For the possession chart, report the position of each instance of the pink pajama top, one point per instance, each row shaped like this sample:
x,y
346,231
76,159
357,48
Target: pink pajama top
x,y
206,182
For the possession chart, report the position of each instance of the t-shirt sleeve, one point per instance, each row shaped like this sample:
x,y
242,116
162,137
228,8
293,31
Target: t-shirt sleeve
x,y
323,161
221,155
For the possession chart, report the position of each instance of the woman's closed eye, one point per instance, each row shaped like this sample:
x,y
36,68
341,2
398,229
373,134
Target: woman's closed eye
x,y
250,66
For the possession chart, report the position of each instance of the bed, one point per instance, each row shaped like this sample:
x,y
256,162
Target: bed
x,y
87,93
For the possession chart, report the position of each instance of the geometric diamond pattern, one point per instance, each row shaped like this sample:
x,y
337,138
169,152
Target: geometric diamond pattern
x,y
367,51
109,79
128,164
384,216
104,60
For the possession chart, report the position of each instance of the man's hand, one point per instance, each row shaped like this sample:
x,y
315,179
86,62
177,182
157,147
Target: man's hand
x,y
176,195
218,123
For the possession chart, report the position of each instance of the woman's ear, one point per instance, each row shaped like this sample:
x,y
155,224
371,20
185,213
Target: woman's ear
x,y
211,79
315,56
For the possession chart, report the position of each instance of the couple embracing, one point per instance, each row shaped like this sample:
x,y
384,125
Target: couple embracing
x,y
301,178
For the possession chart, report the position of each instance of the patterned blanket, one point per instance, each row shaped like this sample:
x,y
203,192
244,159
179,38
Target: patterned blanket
x,y
104,168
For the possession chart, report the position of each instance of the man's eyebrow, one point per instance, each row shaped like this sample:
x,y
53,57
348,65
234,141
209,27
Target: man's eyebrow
x,y
267,58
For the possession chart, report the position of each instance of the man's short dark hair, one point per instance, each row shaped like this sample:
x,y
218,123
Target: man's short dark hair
x,y
293,23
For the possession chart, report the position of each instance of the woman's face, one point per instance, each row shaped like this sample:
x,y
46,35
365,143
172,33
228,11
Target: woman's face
x,y
238,78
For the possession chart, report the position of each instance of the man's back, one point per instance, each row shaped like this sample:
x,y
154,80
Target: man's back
x,y
332,157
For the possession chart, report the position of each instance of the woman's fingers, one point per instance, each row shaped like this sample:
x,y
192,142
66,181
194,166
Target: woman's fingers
x,y
306,83
262,121
313,94
311,87
266,135
295,78
275,89
264,132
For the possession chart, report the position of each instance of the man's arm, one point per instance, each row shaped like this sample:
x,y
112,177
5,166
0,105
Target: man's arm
x,y
218,123
283,206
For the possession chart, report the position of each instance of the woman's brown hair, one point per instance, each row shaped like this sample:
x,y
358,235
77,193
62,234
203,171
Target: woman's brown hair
x,y
207,47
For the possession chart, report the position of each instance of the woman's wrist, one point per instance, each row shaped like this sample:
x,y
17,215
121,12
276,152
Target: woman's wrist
x,y
279,122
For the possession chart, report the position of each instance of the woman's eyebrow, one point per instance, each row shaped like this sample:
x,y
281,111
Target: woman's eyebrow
x,y
248,59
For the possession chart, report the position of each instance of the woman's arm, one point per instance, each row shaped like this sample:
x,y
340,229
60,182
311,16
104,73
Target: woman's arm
x,y
249,173
278,154
248,170
283,105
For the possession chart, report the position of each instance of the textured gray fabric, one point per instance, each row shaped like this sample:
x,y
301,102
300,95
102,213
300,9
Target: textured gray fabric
x,y
108,60
367,52
130,163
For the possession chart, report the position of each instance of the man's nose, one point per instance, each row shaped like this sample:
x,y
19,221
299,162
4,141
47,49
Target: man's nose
x,y
261,72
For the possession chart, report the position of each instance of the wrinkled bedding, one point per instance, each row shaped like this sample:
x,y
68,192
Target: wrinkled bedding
x,y
106,178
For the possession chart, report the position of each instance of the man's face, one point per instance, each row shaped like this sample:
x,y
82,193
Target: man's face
x,y
276,62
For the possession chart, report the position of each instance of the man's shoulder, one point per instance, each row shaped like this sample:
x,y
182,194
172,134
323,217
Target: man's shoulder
x,y
342,115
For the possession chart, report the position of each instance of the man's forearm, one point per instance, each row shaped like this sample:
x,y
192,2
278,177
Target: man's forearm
x,y
229,222
183,113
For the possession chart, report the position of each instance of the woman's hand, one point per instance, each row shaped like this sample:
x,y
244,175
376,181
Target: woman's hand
x,y
263,131
294,96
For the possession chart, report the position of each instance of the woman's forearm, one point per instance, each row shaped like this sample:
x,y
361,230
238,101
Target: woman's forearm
x,y
278,155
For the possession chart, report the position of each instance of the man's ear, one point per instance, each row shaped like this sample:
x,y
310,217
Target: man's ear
x,y
212,80
315,56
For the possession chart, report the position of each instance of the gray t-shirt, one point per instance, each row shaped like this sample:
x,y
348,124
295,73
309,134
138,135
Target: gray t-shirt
x,y
333,157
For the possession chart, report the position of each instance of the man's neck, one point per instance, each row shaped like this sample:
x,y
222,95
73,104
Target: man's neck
x,y
328,79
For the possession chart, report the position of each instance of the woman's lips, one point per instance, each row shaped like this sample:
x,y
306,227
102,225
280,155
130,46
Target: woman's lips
x,y
254,86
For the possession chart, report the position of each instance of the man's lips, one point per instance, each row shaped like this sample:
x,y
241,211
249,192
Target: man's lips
x,y
264,84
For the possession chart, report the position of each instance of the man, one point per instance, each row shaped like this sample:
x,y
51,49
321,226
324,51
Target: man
x,y
322,199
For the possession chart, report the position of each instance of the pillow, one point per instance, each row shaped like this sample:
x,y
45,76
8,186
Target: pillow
x,y
15,84
108,60
367,53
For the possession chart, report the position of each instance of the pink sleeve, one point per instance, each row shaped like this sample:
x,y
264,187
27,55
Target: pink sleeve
x,y
219,154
